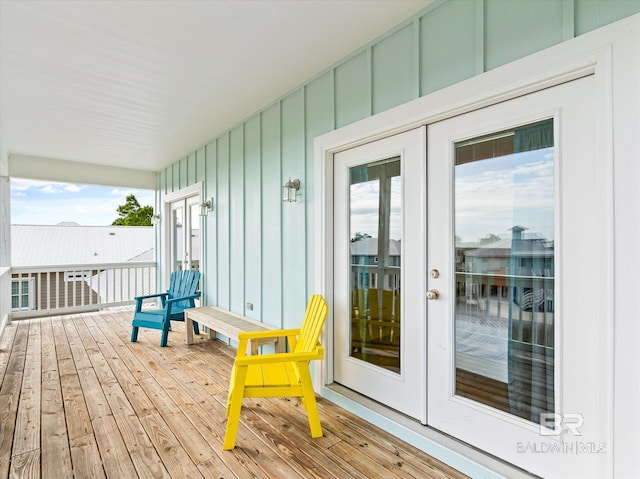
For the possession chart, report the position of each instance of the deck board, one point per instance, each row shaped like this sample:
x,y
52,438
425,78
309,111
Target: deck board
x,y
85,457
6,342
115,456
26,437
56,458
79,400
10,393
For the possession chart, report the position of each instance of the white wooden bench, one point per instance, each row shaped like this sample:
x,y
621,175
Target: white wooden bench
x,y
225,322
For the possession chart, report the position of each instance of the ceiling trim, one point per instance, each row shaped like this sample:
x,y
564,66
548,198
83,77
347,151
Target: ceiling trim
x,y
50,169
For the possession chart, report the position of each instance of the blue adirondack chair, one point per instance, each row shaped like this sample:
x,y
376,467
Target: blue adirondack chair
x,y
181,295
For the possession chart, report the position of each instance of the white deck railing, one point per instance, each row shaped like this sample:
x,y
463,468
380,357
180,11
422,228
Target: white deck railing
x,y
49,290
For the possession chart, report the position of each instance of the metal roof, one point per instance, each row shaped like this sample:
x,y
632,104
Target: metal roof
x,y
369,247
40,245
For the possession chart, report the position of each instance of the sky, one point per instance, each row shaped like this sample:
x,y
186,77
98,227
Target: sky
x,y
48,203
364,208
493,195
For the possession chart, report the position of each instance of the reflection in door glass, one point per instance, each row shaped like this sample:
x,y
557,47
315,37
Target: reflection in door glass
x,y
375,219
194,245
178,238
504,254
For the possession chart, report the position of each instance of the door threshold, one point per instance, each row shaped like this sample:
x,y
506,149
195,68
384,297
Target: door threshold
x,y
459,455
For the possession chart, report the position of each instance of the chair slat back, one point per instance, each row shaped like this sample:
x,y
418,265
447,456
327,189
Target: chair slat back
x,y
312,325
183,283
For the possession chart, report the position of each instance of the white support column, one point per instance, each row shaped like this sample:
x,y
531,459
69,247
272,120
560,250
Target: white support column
x,y
5,245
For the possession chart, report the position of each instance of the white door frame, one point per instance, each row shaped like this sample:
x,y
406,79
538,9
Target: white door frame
x,y
192,190
563,63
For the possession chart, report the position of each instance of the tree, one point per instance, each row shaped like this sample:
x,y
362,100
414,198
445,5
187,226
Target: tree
x,y
132,214
488,239
360,236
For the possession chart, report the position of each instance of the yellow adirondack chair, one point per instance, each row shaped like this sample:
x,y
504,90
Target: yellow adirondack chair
x,y
278,375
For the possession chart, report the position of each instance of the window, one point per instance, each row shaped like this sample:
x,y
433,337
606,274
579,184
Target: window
x,y
22,294
72,277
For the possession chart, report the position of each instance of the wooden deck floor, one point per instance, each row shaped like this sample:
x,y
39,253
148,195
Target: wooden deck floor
x,y
77,399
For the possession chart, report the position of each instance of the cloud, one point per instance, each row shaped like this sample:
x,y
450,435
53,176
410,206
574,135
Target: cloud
x,y
493,196
121,192
21,185
50,189
74,188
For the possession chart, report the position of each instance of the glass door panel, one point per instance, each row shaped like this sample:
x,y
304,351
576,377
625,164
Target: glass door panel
x,y
185,239
194,238
504,270
177,236
376,236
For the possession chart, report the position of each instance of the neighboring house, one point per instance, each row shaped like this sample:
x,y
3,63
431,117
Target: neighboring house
x,y
519,270
533,255
522,255
57,265
366,252
375,283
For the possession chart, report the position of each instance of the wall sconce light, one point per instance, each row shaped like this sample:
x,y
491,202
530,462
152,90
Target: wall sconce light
x,y
205,207
155,219
291,189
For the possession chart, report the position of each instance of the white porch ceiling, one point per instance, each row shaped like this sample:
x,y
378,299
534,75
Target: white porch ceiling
x,y
139,84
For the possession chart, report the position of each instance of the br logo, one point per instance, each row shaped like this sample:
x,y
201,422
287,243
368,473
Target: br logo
x,y
552,424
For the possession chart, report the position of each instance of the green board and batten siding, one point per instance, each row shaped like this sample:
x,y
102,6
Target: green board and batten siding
x,y
259,250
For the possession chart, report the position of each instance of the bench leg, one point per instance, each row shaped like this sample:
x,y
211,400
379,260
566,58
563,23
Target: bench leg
x,y
134,334
189,326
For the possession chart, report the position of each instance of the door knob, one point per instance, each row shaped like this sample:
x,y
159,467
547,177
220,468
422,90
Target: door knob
x,y
433,294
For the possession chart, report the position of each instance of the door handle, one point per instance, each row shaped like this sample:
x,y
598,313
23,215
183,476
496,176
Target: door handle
x,y
433,294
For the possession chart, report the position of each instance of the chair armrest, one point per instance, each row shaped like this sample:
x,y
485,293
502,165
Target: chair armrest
x,y
151,296
279,358
140,299
193,296
271,333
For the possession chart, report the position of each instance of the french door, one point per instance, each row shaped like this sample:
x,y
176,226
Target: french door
x,y
515,232
184,234
380,327
475,308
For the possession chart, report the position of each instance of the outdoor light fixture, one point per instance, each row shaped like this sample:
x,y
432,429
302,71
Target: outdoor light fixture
x,y
155,219
291,188
205,207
